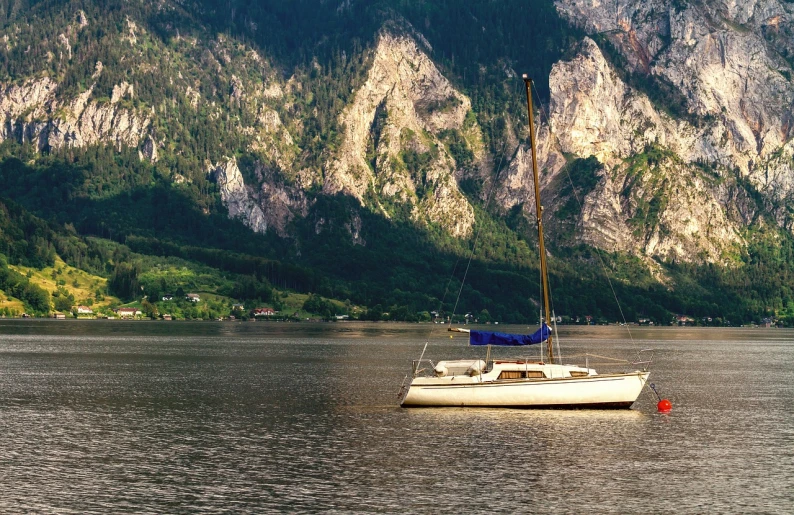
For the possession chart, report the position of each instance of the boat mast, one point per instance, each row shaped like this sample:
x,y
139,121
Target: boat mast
x,y
539,211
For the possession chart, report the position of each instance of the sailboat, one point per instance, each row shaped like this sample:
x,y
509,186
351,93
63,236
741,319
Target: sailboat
x,y
520,383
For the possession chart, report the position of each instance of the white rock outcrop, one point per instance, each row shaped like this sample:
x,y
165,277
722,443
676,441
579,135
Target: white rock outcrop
x,y
725,59
269,203
667,209
236,196
404,105
32,112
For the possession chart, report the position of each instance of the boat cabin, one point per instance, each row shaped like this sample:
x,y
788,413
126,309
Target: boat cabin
x,y
467,370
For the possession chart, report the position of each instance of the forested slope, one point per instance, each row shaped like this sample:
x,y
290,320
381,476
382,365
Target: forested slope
x,y
133,130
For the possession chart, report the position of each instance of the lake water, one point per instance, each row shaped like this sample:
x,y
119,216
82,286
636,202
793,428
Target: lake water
x,y
159,417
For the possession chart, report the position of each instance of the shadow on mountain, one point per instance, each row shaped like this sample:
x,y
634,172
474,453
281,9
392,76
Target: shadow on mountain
x,y
402,269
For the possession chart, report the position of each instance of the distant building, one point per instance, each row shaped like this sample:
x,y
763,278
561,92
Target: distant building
x,y
264,312
168,296
58,316
84,310
342,317
166,317
193,297
128,312
237,307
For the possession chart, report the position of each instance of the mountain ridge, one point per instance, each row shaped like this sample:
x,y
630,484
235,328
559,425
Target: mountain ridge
x,y
386,121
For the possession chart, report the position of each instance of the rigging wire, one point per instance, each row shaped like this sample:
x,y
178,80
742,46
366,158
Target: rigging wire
x,y
488,198
441,302
597,250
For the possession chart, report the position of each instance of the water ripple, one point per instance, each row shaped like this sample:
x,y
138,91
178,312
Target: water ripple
x,y
252,422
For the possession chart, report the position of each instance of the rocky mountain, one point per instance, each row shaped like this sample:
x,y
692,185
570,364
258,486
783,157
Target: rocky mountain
x,y
664,127
666,207
729,70
393,143
730,63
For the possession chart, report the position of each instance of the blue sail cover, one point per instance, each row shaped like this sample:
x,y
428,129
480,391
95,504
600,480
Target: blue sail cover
x,y
488,338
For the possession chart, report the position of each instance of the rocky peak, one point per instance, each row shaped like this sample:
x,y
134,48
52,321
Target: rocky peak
x,y
725,60
651,198
401,113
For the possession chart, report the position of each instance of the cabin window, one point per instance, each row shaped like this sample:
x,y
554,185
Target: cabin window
x,y
578,373
521,374
510,374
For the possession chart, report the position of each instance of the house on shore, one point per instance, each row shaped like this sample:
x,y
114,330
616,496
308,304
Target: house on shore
x,y
83,310
264,312
129,312
193,297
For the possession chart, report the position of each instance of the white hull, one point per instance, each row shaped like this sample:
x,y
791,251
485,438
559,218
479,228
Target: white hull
x,y
521,384
591,391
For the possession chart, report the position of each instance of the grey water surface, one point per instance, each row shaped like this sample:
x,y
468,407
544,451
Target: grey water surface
x,y
244,417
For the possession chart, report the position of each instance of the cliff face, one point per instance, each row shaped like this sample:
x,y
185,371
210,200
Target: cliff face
x,y
32,112
652,199
727,60
271,204
393,148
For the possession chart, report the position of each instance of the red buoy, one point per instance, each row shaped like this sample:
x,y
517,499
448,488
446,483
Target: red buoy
x,y
664,406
